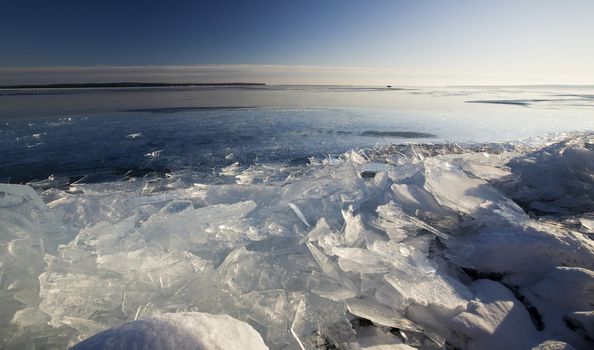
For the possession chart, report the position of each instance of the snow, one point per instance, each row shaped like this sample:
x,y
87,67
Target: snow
x,y
179,331
565,294
418,246
495,319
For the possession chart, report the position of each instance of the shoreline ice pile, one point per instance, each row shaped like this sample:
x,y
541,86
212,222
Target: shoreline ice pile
x,y
403,247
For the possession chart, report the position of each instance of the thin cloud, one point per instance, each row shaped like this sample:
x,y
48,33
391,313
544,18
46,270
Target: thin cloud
x,y
270,74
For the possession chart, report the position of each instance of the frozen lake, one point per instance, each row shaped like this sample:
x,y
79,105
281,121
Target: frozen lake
x,y
322,217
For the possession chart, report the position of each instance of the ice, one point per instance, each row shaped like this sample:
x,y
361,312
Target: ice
x,y
17,195
325,237
408,246
271,310
380,314
565,293
583,321
371,338
180,331
299,214
454,189
495,320
521,252
334,275
553,345
562,181
360,260
134,135
317,325
434,289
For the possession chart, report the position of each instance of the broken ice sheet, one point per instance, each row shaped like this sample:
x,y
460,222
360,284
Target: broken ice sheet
x,y
270,309
156,269
328,288
380,314
194,227
432,289
454,189
68,297
398,225
320,324
330,269
386,249
409,257
359,260
107,238
413,197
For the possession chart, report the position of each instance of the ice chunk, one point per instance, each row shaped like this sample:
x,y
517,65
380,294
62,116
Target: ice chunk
x,y
399,225
433,289
583,321
407,174
553,345
318,325
71,297
107,238
299,214
195,226
416,278
304,326
571,288
328,267
354,228
371,338
380,314
560,175
484,165
30,317
563,292
329,288
588,223
14,195
522,253
270,309
359,260
178,331
323,235
413,197
162,271
453,188
134,135
492,314
331,271
408,257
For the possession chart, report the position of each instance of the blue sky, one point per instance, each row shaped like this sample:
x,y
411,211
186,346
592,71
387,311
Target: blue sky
x,y
324,41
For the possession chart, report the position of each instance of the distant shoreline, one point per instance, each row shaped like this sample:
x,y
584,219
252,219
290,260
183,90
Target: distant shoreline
x,y
119,85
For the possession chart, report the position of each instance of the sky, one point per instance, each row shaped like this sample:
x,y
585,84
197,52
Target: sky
x,y
399,42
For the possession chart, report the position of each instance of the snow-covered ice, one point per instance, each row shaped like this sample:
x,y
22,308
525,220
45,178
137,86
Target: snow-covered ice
x,y
179,331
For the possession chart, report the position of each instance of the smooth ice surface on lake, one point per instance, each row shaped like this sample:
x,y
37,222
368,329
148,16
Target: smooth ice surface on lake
x,y
319,217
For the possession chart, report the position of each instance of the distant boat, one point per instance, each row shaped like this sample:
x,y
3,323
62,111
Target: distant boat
x,y
389,86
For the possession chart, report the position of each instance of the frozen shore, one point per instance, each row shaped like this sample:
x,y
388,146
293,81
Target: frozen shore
x,y
399,247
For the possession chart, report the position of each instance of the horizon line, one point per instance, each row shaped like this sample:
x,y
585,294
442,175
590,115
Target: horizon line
x,y
273,74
